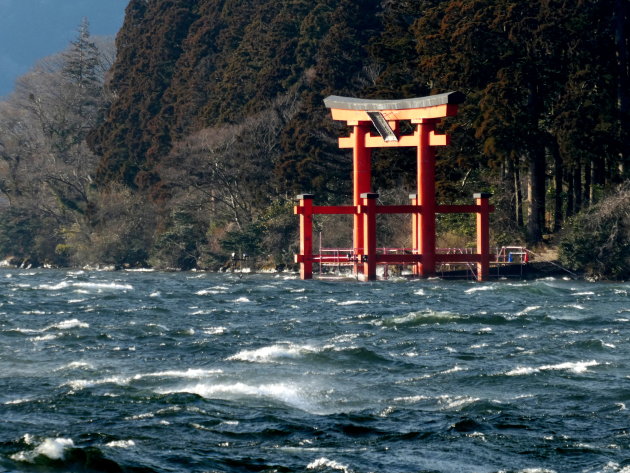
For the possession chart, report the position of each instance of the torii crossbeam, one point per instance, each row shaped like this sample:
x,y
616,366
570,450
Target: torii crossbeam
x,y
385,115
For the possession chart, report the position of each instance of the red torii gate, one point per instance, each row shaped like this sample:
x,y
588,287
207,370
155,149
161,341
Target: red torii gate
x,y
384,115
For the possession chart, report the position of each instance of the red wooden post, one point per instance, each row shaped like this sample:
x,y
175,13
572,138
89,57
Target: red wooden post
x,y
414,233
305,210
426,197
362,182
369,236
483,235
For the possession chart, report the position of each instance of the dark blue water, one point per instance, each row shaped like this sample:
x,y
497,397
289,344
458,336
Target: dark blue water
x,y
196,372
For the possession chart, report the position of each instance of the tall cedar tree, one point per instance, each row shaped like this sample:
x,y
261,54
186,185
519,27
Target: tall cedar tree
x,y
516,61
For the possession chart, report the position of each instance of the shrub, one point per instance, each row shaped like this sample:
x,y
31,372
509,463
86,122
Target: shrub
x,y
597,240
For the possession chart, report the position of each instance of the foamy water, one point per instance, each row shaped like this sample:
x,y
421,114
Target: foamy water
x,y
195,372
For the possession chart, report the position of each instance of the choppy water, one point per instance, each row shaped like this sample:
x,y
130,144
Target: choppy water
x,y
195,372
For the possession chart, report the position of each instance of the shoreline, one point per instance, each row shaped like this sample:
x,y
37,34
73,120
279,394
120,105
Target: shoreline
x,y
526,271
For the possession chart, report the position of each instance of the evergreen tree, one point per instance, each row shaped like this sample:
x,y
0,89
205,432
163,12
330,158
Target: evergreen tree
x,y
518,63
82,60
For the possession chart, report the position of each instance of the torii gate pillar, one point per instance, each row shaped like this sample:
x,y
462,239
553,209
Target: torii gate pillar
x,y
426,198
362,182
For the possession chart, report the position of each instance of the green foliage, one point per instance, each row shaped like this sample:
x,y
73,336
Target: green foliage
x,y
29,238
178,246
459,224
119,232
244,242
280,232
270,240
597,240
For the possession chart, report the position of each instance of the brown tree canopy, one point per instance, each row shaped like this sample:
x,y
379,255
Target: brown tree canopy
x,y
544,81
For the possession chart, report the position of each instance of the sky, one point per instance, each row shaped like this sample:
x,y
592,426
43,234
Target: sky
x,y
33,29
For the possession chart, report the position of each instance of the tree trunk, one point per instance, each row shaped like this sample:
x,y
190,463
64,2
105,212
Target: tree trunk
x,y
577,186
587,184
518,196
599,172
536,165
570,194
507,179
557,204
536,191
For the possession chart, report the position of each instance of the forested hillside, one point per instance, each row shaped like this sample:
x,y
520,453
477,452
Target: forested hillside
x,y
213,118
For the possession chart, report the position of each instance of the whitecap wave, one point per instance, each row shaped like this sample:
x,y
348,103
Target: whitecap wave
x,y
575,306
191,373
53,448
285,393
214,330
424,317
529,309
572,366
76,365
454,369
103,285
344,338
455,402
324,463
353,302
68,324
479,288
44,338
411,399
76,301
273,353
614,467
55,287
100,286
121,444
63,325
18,401
212,291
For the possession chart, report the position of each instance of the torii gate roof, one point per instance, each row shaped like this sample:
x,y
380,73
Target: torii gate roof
x,y
431,106
351,103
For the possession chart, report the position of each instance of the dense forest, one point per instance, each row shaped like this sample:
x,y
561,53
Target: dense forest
x,y
192,142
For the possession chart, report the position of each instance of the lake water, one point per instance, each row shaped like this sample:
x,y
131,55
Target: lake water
x,y
198,372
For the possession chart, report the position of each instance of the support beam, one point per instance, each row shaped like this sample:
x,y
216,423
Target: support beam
x,y
383,128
